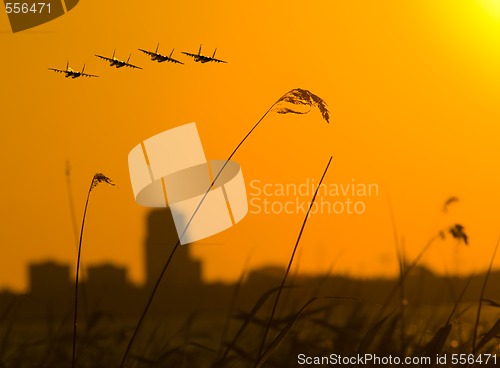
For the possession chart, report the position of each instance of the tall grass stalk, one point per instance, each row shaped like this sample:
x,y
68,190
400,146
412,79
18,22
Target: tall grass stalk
x,y
459,300
405,274
402,296
401,257
296,96
483,289
283,281
251,316
98,178
232,307
71,203
74,225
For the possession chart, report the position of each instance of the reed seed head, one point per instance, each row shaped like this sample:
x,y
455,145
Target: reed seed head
x,y
100,178
301,97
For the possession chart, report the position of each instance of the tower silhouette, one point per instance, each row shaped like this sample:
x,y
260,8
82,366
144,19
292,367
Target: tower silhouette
x,y
183,271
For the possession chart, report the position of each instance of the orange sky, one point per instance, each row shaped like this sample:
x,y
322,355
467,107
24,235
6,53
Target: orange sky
x,y
412,87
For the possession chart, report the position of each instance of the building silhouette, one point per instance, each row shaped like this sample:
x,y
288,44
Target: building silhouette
x,y
108,290
107,276
48,278
183,271
50,287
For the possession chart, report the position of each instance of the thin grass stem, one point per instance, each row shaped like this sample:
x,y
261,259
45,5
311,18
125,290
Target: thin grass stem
x,y
96,179
75,320
483,289
405,273
283,281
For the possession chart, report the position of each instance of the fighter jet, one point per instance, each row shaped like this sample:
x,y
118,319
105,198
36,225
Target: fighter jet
x,y
204,59
70,73
113,61
155,56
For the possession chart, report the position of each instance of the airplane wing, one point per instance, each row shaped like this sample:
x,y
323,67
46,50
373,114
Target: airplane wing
x,y
173,60
188,54
147,52
218,60
89,75
58,70
104,57
132,66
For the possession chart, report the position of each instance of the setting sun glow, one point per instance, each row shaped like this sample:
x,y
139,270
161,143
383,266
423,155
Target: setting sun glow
x,y
492,7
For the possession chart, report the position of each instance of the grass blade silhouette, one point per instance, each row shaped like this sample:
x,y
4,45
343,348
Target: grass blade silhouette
x,y
275,306
370,335
483,289
232,305
74,225
408,268
493,333
296,96
438,341
491,303
274,345
250,316
96,180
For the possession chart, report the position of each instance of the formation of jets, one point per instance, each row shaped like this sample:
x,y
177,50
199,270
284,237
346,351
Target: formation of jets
x,y
155,56
70,73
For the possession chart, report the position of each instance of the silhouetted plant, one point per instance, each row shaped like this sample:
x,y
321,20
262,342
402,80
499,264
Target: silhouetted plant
x,y
449,201
475,348
96,180
297,97
276,301
457,231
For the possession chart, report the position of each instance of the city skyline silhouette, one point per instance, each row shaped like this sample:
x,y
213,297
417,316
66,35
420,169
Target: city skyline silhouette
x,y
107,288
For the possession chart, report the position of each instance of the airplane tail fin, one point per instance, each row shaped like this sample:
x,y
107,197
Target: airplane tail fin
x,y
157,46
213,56
171,53
67,65
129,58
83,69
199,51
114,51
